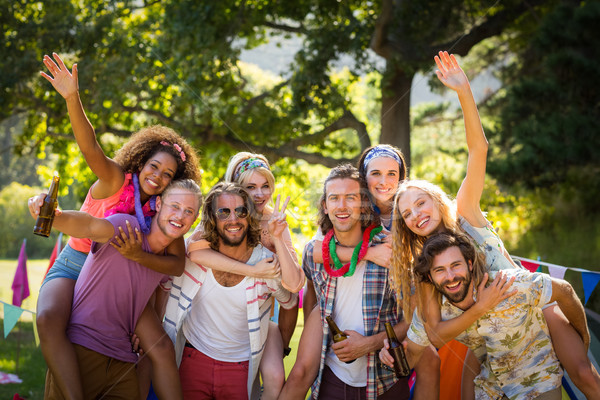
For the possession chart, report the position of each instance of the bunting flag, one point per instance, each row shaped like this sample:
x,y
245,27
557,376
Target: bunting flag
x,y
590,279
556,271
20,285
531,267
55,252
36,335
11,316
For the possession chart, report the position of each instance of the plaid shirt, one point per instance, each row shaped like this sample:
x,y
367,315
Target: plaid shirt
x,y
378,306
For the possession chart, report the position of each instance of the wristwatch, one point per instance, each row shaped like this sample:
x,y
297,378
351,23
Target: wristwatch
x,y
287,351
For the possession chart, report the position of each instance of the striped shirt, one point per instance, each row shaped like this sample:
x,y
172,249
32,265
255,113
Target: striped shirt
x,y
258,296
378,306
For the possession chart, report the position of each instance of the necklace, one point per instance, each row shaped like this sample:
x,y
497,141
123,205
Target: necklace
x,y
329,253
144,220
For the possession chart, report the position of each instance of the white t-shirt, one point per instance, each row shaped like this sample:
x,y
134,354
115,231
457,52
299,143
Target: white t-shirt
x,y
217,324
348,315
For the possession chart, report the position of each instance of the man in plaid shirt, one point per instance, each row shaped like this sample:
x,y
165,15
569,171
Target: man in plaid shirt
x,y
360,304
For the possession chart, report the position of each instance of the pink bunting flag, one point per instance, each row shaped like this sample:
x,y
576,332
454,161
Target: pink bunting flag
x,y
20,285
531,267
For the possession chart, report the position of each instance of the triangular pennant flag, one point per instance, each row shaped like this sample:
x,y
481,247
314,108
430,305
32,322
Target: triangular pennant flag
x,y
557,271
531,267
54,255
590,281
36,335
20,285
11,316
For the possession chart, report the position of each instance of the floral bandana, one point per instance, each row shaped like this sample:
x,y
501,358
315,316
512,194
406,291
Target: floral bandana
x,y
247,164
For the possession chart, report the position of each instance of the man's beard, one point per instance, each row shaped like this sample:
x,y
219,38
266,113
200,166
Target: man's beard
x,y
227,241
459,296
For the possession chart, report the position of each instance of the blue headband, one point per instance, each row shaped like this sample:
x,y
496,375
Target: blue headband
x,y
382,150
247,164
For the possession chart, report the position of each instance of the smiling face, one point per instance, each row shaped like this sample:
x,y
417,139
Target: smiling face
x,y
420,213
382,177
451,275
157,173
232,231
259,189
177,211
343,204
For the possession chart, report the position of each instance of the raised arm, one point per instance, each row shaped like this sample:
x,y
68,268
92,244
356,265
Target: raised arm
x,y
469,194
441,332
110,176
292,276
565,296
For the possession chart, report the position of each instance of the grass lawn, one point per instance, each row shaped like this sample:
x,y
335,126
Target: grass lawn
x,y
31,366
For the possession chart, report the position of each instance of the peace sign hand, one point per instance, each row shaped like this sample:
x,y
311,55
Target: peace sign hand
x,y
64,82
277,223
449,72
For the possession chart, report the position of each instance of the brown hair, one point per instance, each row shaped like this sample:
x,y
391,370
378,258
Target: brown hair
x,y
146,142
439,243
347,171
209,217
362,170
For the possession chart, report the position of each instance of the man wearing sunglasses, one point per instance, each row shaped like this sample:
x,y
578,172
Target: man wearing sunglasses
x,y
219,320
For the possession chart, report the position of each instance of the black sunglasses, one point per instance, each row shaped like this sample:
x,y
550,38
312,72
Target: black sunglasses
x,y
224,213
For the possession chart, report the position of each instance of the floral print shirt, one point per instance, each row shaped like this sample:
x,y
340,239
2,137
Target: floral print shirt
x,y
512,341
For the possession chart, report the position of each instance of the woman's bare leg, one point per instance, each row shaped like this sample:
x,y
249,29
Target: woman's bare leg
x,y
271,365
471,369
53,313
306,368
159,349
427,385
572,353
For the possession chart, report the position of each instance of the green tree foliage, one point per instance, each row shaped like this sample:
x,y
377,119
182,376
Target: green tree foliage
x,y
549,131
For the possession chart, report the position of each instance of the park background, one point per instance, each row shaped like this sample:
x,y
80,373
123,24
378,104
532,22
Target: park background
x,y
310,84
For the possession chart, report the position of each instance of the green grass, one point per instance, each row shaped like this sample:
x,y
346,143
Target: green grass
x,y
31,367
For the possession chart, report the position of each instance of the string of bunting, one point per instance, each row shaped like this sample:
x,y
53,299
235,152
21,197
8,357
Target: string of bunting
x,y
590,279
11,317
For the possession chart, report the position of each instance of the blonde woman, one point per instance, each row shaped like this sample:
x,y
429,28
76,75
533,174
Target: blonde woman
x,y
253,172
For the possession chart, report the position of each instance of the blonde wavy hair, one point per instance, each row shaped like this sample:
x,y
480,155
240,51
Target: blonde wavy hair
x,y
407,245
235,161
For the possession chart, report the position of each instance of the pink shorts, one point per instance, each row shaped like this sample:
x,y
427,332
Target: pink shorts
x,y
205,378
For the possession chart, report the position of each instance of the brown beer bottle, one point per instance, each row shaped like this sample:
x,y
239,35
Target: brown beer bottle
x,y
43,225
397,351
338,335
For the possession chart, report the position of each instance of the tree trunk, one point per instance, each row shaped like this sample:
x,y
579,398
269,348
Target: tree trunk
x,y
395,109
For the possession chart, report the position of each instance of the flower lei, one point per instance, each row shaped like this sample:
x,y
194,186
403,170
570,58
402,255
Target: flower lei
x,y
358,254
130,203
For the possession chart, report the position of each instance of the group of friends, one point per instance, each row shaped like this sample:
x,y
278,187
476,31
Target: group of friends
x,y
130,304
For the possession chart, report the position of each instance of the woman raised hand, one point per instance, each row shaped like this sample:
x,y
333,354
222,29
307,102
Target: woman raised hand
x,y
65,82
449,72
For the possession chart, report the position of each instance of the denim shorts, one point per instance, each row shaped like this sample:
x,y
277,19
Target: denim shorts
x,y
67,265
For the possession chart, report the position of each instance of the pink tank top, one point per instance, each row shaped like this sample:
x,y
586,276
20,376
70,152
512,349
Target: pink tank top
x,y
98,208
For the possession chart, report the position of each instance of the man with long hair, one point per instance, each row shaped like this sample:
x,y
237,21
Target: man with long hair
x,y
219,320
